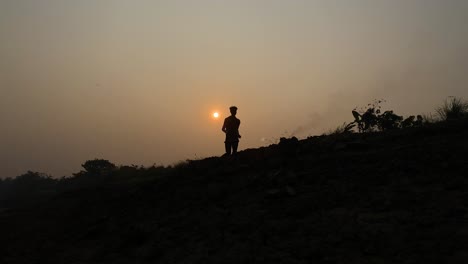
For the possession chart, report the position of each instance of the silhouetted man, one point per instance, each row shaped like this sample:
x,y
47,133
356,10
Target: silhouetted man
x,y
231,128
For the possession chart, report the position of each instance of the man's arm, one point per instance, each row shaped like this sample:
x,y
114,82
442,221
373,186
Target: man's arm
x,y
224,126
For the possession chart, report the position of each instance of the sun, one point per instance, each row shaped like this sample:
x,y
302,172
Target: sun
x,y
215,114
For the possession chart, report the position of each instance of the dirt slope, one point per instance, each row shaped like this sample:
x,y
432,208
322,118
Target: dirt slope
x,y
394,197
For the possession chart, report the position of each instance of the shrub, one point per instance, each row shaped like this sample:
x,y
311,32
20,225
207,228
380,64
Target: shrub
x,y
453,108
411,122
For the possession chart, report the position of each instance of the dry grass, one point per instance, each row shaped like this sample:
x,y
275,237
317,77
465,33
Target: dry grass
x,y
453,108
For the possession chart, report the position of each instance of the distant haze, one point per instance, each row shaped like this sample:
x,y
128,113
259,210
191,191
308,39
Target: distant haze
x,y
136,82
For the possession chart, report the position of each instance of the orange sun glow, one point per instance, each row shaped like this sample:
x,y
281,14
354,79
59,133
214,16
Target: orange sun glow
x,y
215,114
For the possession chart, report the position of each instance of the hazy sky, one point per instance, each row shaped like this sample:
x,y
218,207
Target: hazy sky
x,y
136,82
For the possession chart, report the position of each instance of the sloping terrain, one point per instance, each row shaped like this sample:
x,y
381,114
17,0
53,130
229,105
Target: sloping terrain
x,y
391,197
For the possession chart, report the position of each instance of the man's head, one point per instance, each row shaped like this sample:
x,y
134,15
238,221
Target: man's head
x,y
233,110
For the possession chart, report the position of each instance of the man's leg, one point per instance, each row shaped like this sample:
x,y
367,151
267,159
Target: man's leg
x,y
227,146
234,147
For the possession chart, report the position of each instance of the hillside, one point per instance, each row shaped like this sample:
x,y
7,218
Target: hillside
x,y
389,197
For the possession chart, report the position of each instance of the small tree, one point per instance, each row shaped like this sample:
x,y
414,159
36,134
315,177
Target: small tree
x,y
98,167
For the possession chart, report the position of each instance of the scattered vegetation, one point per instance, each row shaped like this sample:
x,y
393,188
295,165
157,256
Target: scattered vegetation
x,y
343,128
373,118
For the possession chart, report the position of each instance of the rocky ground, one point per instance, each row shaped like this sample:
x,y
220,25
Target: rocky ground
x,y
393,197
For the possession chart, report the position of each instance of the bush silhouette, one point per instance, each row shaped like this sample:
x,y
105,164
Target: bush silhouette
x,y
98,167
28,184
372,119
